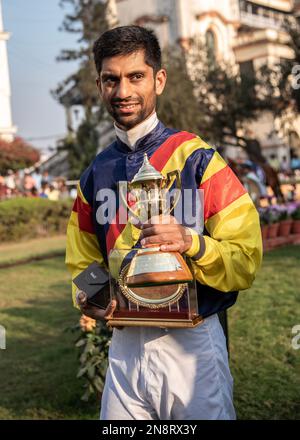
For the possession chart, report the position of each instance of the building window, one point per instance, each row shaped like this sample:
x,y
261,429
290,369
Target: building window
x,y
247,69
210,39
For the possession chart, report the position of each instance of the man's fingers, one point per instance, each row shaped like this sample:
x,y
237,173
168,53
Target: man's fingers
x,y
165,238
110,309
81,299
174,247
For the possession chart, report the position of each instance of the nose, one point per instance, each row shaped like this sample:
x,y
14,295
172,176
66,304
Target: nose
x,y
123,90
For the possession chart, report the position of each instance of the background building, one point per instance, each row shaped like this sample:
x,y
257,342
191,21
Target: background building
x,y
245,32
7,130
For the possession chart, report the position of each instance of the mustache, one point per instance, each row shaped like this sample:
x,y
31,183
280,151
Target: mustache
x,y
125,101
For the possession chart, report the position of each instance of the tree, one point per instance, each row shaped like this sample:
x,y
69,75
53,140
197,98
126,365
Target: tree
x,y
177,106
82,148
227,97
88,19
17,155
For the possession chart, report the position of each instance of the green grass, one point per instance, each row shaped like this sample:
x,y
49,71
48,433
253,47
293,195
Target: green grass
x,y
11,253
38,367
265,367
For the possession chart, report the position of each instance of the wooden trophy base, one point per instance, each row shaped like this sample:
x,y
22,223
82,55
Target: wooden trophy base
x,y
148,322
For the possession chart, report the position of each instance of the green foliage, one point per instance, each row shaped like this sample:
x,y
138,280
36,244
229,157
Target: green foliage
x,y
93,348
296,214
82,148
87,19
177,106
226,98
24,218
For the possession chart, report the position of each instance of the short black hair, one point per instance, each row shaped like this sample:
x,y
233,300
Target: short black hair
x,y
124,40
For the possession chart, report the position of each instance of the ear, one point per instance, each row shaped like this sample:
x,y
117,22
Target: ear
x,y
98,83
160,81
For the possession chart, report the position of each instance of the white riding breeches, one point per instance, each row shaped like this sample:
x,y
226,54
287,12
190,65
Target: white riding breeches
x,y
168,374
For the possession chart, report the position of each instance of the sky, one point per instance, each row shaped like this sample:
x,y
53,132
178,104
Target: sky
x,y
32,50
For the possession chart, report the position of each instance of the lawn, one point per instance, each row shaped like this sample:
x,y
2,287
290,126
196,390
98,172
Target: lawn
x,y
39,365
38,247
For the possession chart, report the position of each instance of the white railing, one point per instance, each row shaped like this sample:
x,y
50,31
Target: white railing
x,y
259,21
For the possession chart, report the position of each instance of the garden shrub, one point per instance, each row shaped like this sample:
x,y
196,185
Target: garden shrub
x,y
26,218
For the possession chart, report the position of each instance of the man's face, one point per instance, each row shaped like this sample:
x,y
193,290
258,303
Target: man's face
x,y
129,88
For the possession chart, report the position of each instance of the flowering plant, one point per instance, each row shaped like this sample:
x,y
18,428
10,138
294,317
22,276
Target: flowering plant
x,y
93,344
296,213
275,213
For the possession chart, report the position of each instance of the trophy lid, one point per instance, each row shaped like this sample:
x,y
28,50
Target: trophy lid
x,y
147,172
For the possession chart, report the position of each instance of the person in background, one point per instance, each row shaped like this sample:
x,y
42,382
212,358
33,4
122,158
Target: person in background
x,y
28,182
53,193
64,193
18,182
34,192
274,162
46,177
44,190
37,176
2,188
10,180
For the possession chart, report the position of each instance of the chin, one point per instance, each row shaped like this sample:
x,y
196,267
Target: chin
x,y
129,121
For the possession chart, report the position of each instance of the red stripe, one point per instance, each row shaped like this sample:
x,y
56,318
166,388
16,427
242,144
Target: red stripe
x,y
220,190
158,159
161,156
84,212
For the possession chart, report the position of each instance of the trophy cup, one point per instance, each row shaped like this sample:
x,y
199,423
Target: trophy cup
x,y
153,287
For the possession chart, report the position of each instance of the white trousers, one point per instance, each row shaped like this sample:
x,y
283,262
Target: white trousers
x,y
174,374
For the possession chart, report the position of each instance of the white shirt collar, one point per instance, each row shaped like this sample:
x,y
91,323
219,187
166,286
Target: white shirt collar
x,y
130,137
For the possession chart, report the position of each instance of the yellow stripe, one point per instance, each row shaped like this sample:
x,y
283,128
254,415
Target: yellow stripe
x,y
80,194
81,250
181,154
232,218
216,164
73,221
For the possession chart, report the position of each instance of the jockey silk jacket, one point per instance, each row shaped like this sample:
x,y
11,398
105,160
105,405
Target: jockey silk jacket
x,y
225,258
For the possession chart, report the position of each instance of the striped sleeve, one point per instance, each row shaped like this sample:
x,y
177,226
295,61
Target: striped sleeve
x,y
230,256
82,245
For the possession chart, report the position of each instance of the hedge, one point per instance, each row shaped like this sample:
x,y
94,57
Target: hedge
x,y
25,218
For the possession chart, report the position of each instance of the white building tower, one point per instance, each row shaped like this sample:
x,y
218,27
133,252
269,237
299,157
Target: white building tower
x,y
7,130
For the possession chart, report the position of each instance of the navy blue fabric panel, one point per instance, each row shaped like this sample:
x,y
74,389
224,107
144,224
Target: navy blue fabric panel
x,y
211,301
87,184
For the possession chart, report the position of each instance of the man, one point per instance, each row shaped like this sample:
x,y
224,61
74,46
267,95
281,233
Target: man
x,y
154,373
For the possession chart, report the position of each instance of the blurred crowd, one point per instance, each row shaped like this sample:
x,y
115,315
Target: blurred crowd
x,y
36,184
260,181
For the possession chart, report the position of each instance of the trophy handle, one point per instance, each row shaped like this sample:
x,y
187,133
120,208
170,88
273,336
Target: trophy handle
x,y
169,183
123,198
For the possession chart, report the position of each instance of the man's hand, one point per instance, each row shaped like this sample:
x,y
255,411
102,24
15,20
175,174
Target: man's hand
x,y
93,311
167,233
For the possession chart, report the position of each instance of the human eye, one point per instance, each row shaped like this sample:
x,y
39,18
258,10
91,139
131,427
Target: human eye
x,y
109,80
137,76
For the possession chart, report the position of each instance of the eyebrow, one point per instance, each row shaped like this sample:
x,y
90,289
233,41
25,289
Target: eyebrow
x,y
105,75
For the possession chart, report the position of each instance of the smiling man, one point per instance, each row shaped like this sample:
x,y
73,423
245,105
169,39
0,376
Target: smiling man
x,y
154,373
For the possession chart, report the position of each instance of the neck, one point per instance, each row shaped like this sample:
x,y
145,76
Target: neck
x,y
130,137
